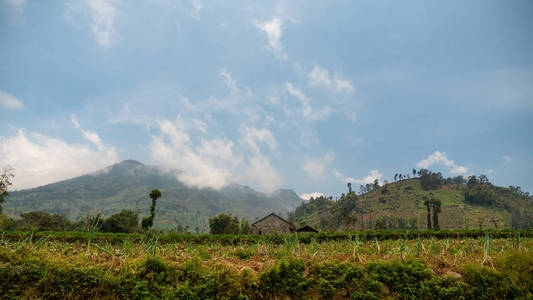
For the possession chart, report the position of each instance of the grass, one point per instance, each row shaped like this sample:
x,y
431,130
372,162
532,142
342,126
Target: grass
x,y
358,268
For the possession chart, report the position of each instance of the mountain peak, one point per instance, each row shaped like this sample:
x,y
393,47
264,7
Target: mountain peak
x,y
130,162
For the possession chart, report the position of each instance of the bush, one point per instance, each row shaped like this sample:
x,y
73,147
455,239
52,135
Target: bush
x,y
404,279
126,221
284,278
485,283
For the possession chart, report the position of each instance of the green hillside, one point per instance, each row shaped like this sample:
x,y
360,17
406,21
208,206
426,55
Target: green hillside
x,y
126,186
401,205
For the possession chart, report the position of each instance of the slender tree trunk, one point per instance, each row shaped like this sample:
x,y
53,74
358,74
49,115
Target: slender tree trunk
x,y
429,216
435,219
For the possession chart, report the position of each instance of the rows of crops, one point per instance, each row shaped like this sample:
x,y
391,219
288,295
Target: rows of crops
x,y
305,238
361,267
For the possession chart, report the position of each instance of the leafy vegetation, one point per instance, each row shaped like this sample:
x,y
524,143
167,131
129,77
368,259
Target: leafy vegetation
x,y
421,268
5,181
125,186
225,224
148,222
429,201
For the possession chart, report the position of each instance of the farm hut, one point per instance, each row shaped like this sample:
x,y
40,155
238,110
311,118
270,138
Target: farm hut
x,y
306,229
272,224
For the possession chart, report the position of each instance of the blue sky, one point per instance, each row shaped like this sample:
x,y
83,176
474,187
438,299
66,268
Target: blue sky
x,y
287,94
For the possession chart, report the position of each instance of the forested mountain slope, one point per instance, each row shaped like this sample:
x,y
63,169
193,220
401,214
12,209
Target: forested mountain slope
x,y
401,205
126,185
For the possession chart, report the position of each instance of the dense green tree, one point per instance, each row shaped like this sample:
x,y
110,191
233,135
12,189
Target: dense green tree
x,y
483,179
224,224
5,181
245,227
472,181
480,194
430,180
41,221
344,206
126,221
148,222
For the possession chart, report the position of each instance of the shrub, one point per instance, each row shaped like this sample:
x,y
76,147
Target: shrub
x,y
402,278
485,283
284,278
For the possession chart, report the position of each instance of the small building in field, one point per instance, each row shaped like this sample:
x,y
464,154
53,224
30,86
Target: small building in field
x,y
306,229
272,224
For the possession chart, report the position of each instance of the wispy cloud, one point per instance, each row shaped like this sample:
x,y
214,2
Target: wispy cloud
x,y
101,14
197,6
370,178
17,4
441,158
318,167
320,77
307,111
10,101
507,158
39,159
273,30
91,136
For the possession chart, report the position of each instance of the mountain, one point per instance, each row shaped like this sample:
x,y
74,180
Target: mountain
x,y
401,205
126,185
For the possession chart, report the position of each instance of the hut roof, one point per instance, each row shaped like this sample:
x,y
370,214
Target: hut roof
x,y
272,214
306,228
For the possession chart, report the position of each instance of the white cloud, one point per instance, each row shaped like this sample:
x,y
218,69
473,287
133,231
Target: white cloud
x,y
370,178
307,196
260,171
17,4
10,101
203,166
39,159
253,138
320,77
317,168
230,82
91,136
441,158
215,162
102,15
273,31
490,171
507,158
307,111
197,6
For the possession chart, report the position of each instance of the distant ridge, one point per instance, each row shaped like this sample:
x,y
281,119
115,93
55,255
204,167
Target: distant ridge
x,y
126,185
403,201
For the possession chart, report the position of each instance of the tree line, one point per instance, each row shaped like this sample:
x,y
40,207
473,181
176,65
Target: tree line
x,y
126,221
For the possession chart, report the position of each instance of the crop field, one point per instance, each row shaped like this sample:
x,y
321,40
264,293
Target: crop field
x,y
359,267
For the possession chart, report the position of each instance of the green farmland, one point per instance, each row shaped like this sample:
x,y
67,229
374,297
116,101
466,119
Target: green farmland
x,y
388,264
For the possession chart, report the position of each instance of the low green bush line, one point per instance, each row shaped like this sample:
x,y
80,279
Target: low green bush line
x,y
228,239
153,278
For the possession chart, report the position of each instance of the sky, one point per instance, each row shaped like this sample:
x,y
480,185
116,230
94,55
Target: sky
x,y
271,94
